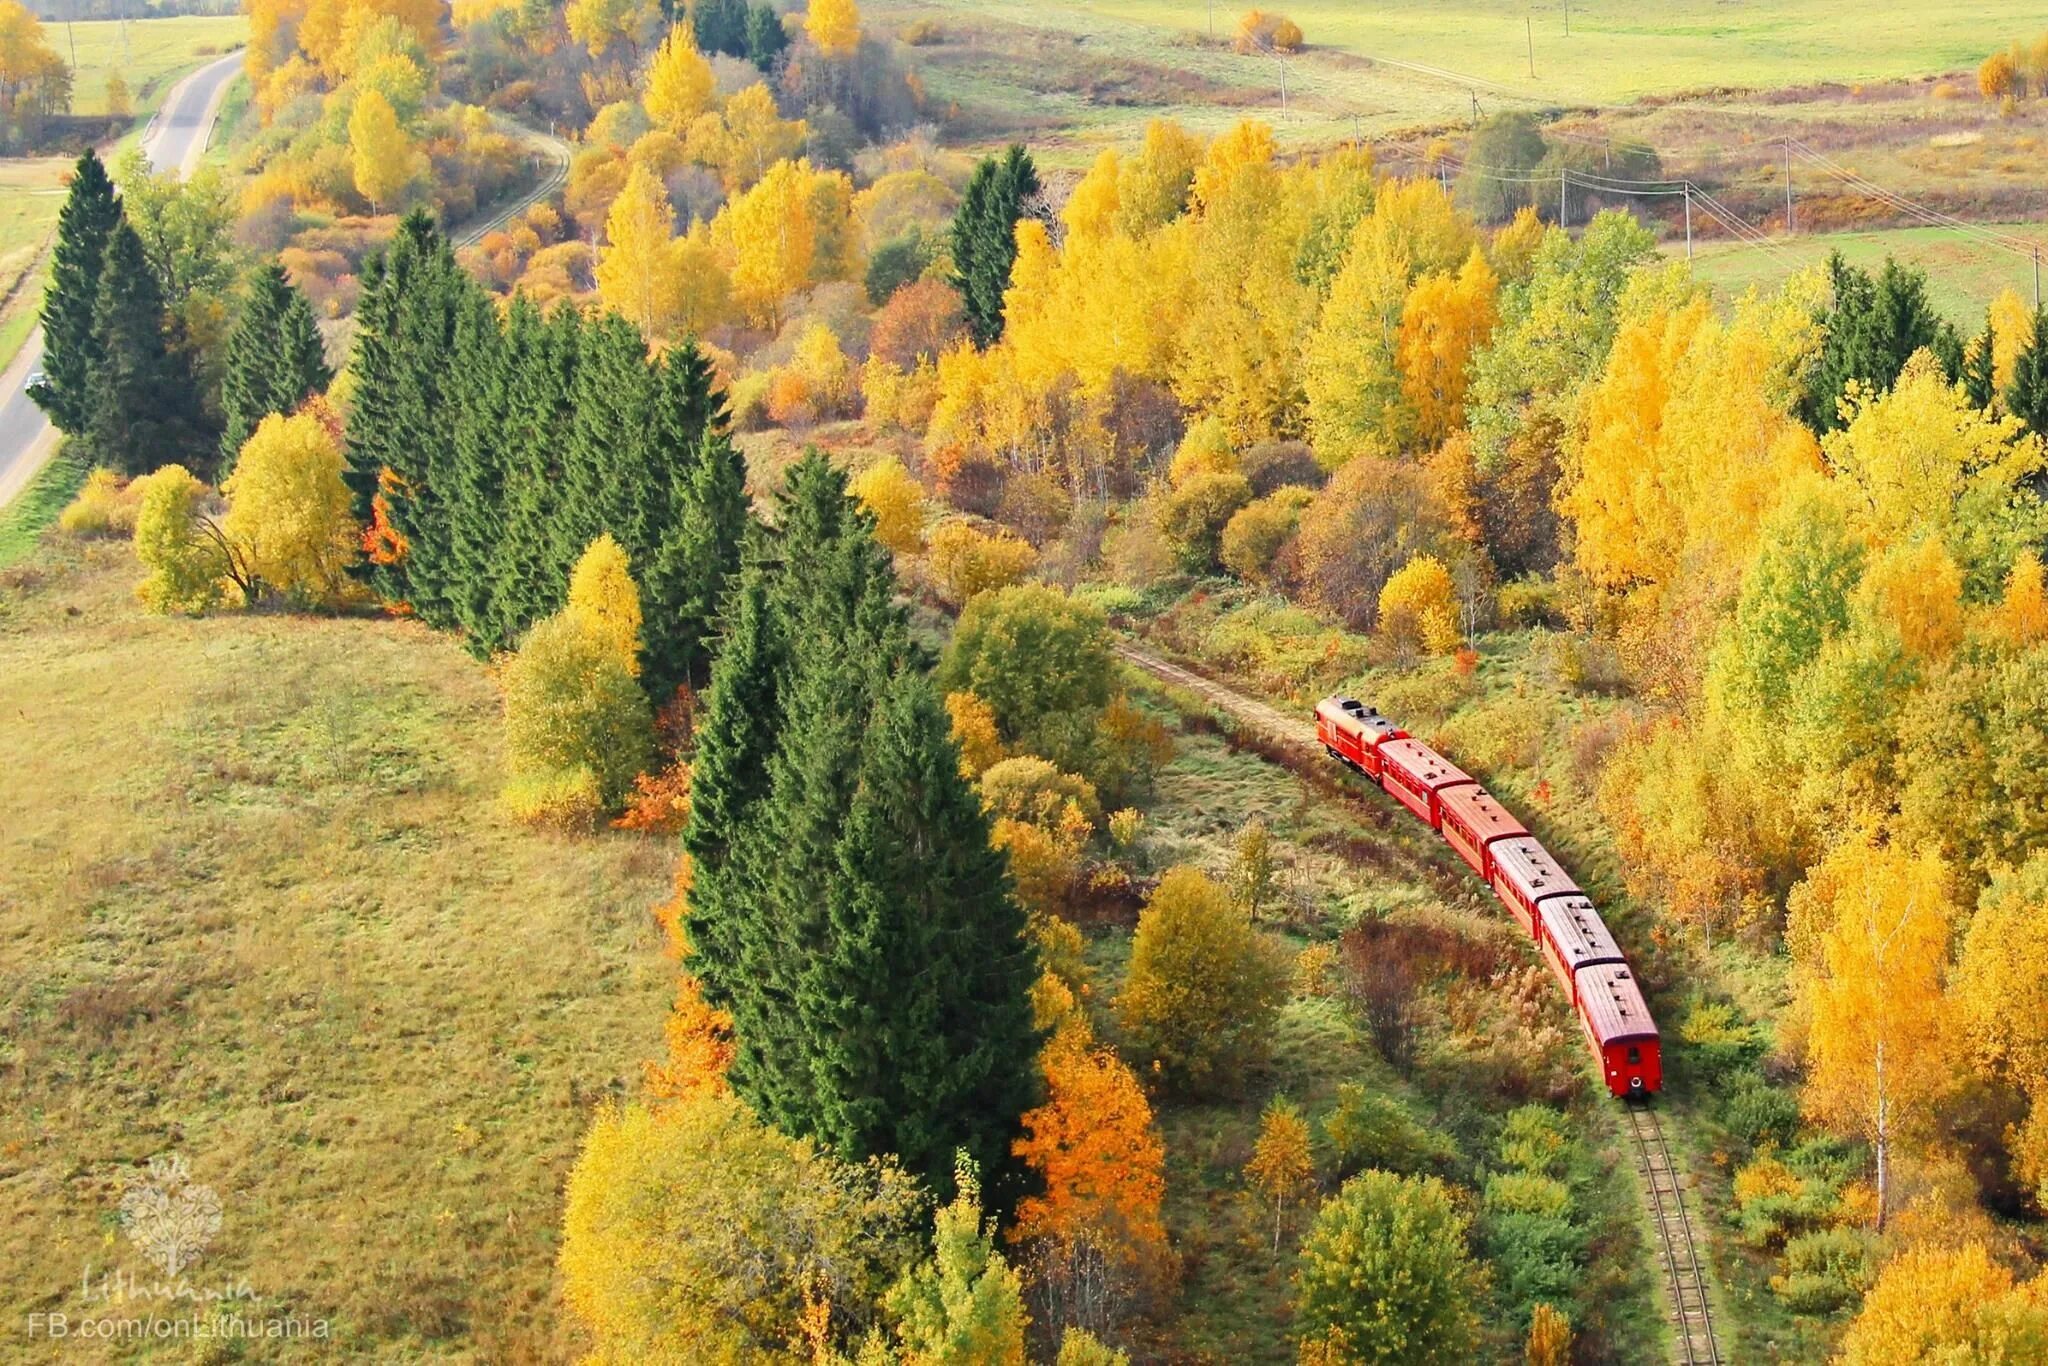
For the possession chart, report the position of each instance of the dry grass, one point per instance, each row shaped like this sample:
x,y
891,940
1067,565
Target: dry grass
x,y
257,908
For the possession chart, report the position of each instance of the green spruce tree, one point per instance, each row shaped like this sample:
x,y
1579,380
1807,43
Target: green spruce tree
x,y
274,359
401,425
766,38
1873,327
915,1004
482,394
71,303
609,479
697,550
985,238
2026,398
532,574
143,408
1980,372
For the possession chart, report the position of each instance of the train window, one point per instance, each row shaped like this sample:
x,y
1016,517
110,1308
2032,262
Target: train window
x,y
1635,1055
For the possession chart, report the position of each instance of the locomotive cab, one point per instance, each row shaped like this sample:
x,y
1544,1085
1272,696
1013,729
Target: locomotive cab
x,y
1351,731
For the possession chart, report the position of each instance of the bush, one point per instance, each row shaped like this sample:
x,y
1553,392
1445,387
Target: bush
x,y
289,514
565,800
1259,31
1759,1113
185,566
1373,516
106,506
1253,537
1028,788
886,489
1275,465
1385,1275
1527,1193
966,562
1824,1270
1529,601
1203,987
1539,1257
1533,1139
570,704
1371,1129
1418,607
1196,513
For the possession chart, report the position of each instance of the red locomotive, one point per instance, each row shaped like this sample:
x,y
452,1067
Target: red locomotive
x,y
1536,891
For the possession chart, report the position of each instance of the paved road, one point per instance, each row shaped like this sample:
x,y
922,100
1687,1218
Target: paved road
x,y
176,138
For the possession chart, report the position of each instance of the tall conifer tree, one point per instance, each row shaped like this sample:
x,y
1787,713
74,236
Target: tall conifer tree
x,y
985,237
482,394
608,477
846,906
698,548
532,571
2026,398
143,407
402,420
1980,368
274,359
71,304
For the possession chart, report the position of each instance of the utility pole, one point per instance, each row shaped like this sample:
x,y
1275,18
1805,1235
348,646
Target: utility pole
x,y
1529,32
1212,20
2037,280
1283,79
1567,18
1788,188
1475,104
1688,220
1564,180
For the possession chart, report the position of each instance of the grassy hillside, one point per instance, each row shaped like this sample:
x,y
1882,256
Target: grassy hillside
x,y
1963,274
1092,71
257,908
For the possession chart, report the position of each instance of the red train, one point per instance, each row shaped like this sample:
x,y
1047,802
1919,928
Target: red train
x,y
1537,892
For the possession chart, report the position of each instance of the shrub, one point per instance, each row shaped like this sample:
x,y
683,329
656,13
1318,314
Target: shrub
x,y
106,506
570,704
1028,788
1276,465
1203,449
918,323
1385,1275
1418,607
1824,1270
1373,516
565,800
1042,661
1759,1113
289,514
1527,1193
1529,601
966,562
185,565
1539,1257
1533,1139
1196,513
1372,1129
1203,986
1255,534
886,489
1262,31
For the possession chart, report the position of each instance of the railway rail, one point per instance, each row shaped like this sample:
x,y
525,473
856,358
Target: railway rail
x,y
1684,1272
1685,1278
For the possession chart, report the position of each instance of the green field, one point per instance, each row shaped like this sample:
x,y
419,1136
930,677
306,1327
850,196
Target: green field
x,y
259,908
1963,274
1098,68
148,53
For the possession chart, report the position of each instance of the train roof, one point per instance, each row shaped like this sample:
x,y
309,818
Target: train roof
x,y
1581,936
1528,865
1425,765
1352,714
1613,1005
1480,810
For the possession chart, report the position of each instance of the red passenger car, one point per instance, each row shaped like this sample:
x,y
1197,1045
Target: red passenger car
x,y
1416,776
1352,731
1473,822
1574,940
1524,874
1619,1027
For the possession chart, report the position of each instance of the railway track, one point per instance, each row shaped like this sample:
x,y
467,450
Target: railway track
x,y
1679,1257
1685,1278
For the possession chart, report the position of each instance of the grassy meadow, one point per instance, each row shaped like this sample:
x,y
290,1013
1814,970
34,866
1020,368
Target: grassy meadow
x,y
258,908
1963,273
150,54
1096,68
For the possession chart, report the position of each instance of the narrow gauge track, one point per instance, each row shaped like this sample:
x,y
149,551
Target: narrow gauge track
x,y
1678,1253
1692,1318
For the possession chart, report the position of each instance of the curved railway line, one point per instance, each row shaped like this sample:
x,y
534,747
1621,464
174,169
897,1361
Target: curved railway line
x,y
1679,1251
